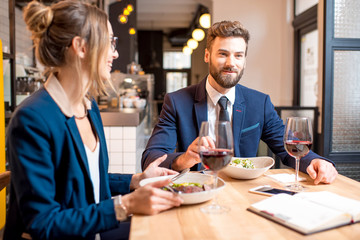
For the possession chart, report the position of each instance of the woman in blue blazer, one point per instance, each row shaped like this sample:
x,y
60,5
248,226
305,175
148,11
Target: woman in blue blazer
x,y
60,186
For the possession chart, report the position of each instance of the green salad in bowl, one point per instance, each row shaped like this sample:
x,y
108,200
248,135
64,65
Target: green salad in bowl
x,y
242,163
248,167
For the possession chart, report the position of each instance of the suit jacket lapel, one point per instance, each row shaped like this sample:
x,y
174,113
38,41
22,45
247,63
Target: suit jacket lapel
x,y
238,118
200,104
102,155
79,145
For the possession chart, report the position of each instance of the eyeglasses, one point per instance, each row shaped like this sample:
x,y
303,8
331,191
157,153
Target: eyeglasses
x,y
113,41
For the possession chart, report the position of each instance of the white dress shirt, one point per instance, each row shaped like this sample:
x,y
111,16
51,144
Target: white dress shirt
x,y
213,107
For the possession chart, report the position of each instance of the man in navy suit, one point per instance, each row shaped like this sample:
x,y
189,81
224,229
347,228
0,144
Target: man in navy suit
x,y
251,112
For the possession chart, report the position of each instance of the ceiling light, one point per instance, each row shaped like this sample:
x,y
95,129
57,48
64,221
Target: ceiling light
x,y
187,50
123,19
130,7
132,31
198,34
192,43
205,20
126,12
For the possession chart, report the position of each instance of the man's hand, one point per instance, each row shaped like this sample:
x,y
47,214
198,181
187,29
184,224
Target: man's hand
x,y
191,156
321,171
153,170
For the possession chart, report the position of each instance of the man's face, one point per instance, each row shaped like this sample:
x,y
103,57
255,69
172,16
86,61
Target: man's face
x,y
226,61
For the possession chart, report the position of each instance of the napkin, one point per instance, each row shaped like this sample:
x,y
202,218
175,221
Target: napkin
x,y
285,177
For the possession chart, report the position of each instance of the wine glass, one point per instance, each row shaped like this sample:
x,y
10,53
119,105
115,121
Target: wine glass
x,y
298,139
216,150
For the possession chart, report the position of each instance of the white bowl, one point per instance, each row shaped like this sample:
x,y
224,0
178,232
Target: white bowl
x,y
139,103
192,198
262,164
128,103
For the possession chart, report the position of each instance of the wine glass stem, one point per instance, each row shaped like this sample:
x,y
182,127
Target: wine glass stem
x,y
214,202
297,165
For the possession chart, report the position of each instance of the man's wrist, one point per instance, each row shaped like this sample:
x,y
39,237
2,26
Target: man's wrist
x,y
135,181
176,164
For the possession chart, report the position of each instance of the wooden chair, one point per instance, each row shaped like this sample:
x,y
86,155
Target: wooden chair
x,y
4,179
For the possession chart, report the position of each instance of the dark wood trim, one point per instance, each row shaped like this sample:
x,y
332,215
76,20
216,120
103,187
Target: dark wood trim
x,y
8,55
12,53
306,18
303,23
297,54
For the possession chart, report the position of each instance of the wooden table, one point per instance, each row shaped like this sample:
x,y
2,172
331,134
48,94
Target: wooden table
x,y
188,222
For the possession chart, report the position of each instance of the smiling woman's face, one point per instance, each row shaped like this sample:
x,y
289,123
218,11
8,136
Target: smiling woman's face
x,y
111,54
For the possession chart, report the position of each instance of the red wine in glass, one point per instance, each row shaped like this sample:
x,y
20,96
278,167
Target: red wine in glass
x,y
217,159
297,148
297,142
216,149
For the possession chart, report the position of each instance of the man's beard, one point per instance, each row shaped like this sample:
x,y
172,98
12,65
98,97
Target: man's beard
x,y
226,81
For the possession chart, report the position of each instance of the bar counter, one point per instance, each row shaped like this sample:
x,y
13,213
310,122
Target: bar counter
x,y
125,138
122,117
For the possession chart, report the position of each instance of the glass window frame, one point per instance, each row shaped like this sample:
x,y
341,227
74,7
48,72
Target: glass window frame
x,y
332,44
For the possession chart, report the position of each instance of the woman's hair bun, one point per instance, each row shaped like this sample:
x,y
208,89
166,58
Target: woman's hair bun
x,y
38,18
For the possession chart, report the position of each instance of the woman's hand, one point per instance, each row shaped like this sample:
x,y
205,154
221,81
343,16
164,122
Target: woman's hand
x,y
150,199
153,170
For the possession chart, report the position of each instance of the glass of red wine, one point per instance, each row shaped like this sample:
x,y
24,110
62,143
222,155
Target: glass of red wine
x,y
298,138
216,150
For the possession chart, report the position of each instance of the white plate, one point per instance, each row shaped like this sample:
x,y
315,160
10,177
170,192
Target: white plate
x,y
192,198
262,164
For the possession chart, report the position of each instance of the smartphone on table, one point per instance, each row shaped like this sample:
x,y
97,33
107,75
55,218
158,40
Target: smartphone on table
x,y
269,191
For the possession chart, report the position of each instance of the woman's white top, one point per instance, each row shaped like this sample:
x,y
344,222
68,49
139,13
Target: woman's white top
x,y
93,162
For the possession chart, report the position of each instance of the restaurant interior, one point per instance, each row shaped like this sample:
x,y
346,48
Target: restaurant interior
x,y
305,54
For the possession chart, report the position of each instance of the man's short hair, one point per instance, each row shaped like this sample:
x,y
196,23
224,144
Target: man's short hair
x,y
225,29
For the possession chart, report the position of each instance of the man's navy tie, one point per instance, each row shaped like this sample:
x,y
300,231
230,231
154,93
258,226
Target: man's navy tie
x,y
223,115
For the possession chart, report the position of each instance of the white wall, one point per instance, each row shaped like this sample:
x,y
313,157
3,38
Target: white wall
x,y
270,55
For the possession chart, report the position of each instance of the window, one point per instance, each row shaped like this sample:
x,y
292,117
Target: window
x,y
176,60
177,70
341,81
